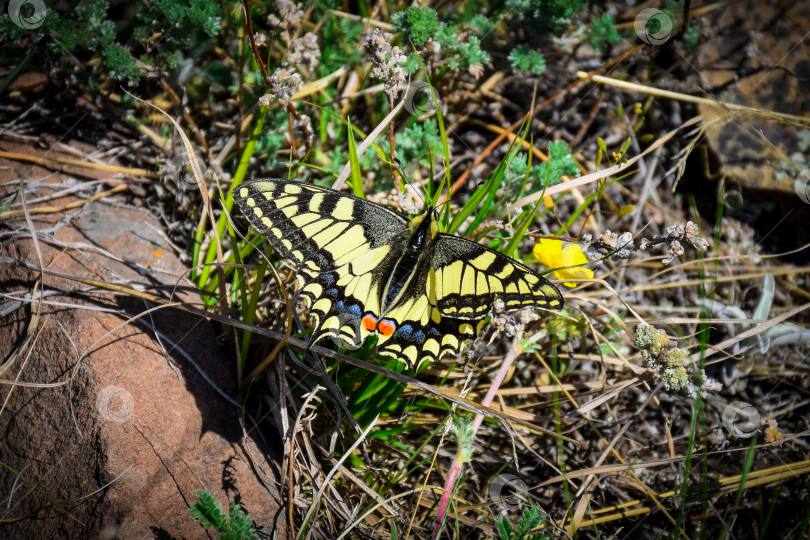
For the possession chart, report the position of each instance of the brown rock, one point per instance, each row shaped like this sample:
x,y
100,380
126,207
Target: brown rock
x,y
118,428
754,54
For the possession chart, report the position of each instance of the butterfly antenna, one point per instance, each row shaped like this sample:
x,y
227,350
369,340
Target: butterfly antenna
x,y
401,170
460,193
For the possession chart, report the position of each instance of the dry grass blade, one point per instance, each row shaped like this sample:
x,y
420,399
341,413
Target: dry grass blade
x,y
56,163
198,176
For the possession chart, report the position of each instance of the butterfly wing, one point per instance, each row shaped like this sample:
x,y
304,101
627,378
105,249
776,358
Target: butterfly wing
x,y
316,227
468,277
340,244
446,303
423,335
346,249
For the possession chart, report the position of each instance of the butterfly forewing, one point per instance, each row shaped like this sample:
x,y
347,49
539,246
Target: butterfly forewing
x,y
469,277
337,241
306,222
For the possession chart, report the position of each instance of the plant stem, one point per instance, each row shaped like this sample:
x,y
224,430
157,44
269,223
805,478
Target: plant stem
x,y
458,462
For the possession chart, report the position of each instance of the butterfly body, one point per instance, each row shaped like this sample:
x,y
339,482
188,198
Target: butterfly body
x,y
364,269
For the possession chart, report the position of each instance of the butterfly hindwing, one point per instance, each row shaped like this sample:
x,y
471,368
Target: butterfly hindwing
x,y
418,340
451,294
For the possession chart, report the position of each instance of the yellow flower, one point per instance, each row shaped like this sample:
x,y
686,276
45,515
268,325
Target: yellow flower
x,y
567,264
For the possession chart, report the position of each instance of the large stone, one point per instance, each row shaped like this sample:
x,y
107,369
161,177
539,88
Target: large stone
x,y
111,430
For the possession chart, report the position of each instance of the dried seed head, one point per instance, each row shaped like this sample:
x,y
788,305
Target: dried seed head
x,y
304,51
386,61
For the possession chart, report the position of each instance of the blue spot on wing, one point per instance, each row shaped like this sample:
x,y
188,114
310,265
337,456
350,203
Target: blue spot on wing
x,y
405,331
355,310
332,292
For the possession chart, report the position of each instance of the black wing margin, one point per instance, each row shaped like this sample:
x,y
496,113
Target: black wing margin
x,y
314,226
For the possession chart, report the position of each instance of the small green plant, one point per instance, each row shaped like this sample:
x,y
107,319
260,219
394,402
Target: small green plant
x,y
530,519
461,50
234,525
524,58
415,143
691,38
544,18
176,25
602,33
97,35
180,24
421,25
485,27
560,162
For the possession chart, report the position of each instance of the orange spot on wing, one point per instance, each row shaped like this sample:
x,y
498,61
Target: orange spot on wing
x,y
370,323
386,328
158,253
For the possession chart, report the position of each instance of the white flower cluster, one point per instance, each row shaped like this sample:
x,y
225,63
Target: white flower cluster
x,y
511,323
386,60
283,85
304,51
687,232
618,246
292,15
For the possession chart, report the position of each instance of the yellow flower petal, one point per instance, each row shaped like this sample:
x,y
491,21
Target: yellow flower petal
x,y
572,255
569,262
548,252
574,260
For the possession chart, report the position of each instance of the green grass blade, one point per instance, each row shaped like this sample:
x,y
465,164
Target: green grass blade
x,y
238,178
356,176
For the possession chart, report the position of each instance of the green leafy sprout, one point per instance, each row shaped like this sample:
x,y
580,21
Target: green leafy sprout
x,y
603,33
523,58
234,525
420,25
529,520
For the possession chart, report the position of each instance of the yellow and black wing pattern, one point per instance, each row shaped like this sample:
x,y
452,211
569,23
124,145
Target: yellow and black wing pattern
x,y
364,269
